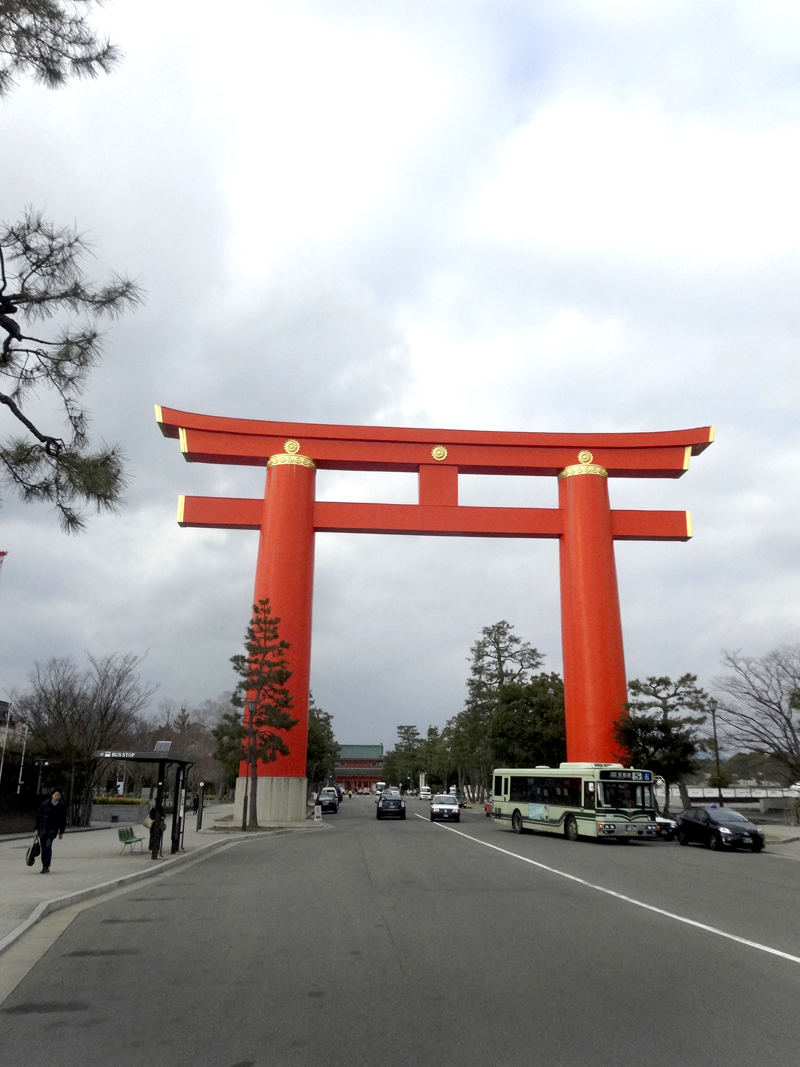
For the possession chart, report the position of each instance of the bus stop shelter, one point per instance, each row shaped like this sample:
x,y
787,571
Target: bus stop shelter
x,y
163,758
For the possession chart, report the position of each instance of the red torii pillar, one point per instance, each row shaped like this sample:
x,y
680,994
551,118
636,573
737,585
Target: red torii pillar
x,y
595,685
289,516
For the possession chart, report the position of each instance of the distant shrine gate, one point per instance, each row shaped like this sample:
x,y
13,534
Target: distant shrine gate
x,y
289,516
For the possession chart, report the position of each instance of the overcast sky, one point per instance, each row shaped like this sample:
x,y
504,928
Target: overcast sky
x,y
568,216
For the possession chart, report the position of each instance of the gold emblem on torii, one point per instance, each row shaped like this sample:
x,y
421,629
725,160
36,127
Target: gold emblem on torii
x,y
584,466
291,456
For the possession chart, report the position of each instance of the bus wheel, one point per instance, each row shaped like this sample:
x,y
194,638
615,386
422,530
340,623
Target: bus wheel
x,y
516,823
571,828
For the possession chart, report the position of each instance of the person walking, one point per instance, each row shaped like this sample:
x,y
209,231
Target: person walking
x,y
51,820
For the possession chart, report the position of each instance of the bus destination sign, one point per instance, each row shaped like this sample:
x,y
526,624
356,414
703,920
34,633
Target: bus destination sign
x,y
626,776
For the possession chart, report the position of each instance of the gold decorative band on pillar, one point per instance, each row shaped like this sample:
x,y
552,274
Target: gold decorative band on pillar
x,y
584,466
291,455
297,460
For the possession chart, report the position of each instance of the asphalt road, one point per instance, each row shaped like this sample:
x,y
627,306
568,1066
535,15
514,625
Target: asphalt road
x,y
405,943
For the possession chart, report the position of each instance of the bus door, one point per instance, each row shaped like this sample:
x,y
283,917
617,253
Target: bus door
x,y
589,795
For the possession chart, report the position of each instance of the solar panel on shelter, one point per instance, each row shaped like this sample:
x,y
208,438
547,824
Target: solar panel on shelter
x,y
162,746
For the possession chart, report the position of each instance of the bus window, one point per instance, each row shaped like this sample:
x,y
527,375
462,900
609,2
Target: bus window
x,y
625,795
588,795
520,788
505,787
498,785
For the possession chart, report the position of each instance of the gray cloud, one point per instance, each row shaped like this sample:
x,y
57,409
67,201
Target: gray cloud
x,y
326,250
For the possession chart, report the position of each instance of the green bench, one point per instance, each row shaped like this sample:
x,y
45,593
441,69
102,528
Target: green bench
x,y
128,837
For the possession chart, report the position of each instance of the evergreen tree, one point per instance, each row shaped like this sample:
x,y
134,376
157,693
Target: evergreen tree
x,y
323,751
262,689
657,734
229,736
52,41
41,277
527,728
498,658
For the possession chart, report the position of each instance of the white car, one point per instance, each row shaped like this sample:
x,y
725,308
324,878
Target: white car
x,y
445,806
425,793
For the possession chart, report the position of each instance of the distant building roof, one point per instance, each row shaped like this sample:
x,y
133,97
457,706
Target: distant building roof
x,y
360,752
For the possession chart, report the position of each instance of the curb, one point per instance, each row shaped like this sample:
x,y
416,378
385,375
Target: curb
x,y
47,907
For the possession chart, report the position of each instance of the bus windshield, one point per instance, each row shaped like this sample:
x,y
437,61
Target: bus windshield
x,y
624,795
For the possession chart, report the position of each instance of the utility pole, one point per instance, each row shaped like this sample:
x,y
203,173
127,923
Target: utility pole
x,y
712,705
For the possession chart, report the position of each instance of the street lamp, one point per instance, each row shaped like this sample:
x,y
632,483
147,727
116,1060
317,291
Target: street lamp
x,y
712,706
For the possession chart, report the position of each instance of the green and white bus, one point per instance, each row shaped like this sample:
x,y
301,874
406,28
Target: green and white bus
x,y
604,800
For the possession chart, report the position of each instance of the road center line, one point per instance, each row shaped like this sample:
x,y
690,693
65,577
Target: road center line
x,y
621,896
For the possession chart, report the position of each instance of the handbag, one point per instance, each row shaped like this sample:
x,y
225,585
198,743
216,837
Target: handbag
x,y
148,822
33,852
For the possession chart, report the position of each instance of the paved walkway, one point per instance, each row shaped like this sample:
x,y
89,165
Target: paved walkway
x,y
87,863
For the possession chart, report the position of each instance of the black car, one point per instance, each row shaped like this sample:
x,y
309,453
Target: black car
x,y
718,828
328,800
390,804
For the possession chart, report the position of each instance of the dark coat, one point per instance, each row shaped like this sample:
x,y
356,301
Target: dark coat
x,y
157,829
51,818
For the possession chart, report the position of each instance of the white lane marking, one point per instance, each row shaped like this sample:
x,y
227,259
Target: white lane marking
x,y
628,900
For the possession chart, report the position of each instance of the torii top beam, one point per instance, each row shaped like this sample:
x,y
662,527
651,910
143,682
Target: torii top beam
x,y
216,439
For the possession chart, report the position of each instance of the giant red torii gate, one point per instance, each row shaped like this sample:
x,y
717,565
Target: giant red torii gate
x,y
289,516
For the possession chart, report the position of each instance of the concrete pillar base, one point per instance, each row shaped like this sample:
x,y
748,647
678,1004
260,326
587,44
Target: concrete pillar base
x,y
279,801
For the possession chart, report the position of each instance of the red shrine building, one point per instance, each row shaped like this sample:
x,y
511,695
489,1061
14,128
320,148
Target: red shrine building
x,y
288,518
359,766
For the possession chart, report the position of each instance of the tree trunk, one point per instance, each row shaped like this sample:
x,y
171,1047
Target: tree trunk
x,y
684,792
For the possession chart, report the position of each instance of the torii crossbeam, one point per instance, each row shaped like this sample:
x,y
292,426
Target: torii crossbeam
x,y
289,516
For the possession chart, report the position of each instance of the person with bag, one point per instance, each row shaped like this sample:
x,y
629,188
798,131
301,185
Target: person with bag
x,y
51,820
33,851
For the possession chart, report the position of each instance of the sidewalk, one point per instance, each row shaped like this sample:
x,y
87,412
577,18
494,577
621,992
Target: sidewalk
x,y
89,864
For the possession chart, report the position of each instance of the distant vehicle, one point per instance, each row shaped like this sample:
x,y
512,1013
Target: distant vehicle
x,y
445,806
425,793
328,799
379,788
667,828
719,828
604,800
390,804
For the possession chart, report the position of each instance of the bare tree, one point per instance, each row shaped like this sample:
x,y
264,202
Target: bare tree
x,y
73,713
760,709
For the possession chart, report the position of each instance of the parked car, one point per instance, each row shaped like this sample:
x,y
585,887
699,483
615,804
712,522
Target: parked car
x,y
667,828
390,804
425,793
328,799
445,806
718,828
